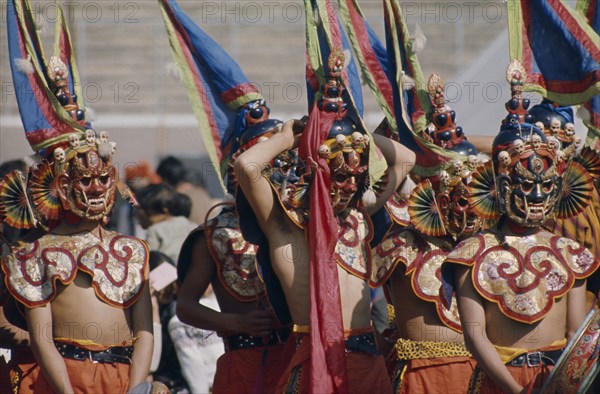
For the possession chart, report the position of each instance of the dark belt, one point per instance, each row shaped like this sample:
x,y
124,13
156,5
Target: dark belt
x,y
245,341
534,359
362,343
116,354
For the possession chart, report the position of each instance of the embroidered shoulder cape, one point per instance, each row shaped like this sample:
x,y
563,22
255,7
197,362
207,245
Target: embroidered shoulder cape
x,y
423,257
526,274
355,232
117,265
234,257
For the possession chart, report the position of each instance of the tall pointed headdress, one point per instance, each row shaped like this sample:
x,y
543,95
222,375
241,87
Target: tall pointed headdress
x,y
437,198
48,93
334,108
522,150
395,78
229,109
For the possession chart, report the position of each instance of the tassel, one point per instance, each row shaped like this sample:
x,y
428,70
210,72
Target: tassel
x,y
407,186
32,160
105,150
369,198
41,24
174,71
90,115
24,65
407,82
483,158
419,41
317,19
584,114
347,57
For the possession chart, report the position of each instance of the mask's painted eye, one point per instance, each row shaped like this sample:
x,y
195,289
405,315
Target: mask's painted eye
x,y
547,186
86,181
339,178
104,179
527,186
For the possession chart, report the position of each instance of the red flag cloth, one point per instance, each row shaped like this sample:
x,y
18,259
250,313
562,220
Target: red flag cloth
x,y
328,365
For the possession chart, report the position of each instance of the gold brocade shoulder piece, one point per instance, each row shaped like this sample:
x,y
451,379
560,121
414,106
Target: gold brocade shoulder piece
x,y
526,274
397,208
353,252
116,264
234,257
423,257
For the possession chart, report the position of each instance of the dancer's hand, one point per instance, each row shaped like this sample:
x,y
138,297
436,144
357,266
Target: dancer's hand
x,y
257,323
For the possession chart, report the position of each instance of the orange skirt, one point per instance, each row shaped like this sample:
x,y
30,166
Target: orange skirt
x,y
365,373
255,370
85,376
531,378
422,375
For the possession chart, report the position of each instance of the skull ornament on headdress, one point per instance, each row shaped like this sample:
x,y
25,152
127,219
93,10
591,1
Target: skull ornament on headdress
x,y
557,121
528,174
529,185
453,201
344,150
346,144
347,163
76,172
440,205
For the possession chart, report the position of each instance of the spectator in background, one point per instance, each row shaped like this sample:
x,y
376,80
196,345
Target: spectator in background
x,y
163,213
165,365
137,176
174,173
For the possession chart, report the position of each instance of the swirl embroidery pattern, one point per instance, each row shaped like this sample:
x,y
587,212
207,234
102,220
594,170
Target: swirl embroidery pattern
x,y
528,274
116,265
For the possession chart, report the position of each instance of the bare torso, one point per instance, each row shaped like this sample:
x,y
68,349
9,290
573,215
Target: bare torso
x,y
77,313
417,319
229,304
503,331
290,259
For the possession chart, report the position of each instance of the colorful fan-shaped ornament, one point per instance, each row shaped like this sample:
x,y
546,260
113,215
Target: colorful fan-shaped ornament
x,y
424,213
2,212
482,193
44,191
16,209
590,160
576,191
